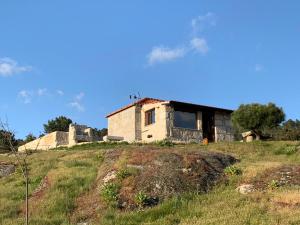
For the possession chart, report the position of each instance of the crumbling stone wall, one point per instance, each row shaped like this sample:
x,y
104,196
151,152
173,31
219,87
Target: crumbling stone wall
x,y
223,127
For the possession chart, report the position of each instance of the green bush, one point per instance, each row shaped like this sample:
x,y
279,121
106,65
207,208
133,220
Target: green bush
x,y
165,143
110,192
273,184
122,174
141,199
232,170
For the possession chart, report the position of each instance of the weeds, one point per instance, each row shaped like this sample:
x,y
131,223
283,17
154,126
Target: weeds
x,y
141,199
110,193
273,184
232,170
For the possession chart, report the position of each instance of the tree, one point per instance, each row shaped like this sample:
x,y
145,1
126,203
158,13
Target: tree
x,y
258,118
288,131
60,123
30,137
100,133
4,142
8,137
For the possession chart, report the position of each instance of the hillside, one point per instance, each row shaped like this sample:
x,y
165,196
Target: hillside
x,y
157,184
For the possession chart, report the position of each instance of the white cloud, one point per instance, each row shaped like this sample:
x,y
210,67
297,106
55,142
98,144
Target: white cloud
x,y
60,92
41,91
200,45
163,54
258,67
77,104
202,22
79,96
197,43
25,96
9,67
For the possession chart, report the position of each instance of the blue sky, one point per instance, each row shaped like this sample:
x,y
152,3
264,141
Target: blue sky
x,y
83,59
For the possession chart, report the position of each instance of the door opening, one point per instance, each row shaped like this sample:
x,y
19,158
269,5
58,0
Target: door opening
x,y
208,125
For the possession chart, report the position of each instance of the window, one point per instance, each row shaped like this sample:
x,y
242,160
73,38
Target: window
x,y
150,117
185,120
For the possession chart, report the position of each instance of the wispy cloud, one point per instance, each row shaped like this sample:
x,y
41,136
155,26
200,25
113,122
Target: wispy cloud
x,y
77,104
163,54
199,45
9,67
41,91
202,22
25,96
258,68
60,92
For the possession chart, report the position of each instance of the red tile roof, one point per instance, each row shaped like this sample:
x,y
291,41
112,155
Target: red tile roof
x,y
142,101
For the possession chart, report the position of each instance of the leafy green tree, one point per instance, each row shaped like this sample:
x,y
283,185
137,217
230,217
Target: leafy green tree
x,y
60,123
257,118
288,131
30,137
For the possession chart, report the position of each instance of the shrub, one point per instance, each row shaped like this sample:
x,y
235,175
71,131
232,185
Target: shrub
x,y
141,199
273,184
232,170
165,143
110,192
122,174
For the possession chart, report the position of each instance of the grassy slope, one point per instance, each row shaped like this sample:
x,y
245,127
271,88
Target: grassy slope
x,y
73,172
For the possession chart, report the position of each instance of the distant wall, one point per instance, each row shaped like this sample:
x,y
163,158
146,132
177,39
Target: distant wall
x,y
46,142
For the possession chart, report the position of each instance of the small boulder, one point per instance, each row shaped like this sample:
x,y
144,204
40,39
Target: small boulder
x,y
6,169
245,188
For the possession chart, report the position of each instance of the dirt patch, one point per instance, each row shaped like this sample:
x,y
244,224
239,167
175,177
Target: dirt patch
x,y
276,177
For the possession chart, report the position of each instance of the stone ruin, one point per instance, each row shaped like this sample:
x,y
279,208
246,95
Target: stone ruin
x,y
77,134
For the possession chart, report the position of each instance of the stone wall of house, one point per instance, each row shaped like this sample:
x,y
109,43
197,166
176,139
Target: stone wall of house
x,y
186,135
123,124
179,134
223,127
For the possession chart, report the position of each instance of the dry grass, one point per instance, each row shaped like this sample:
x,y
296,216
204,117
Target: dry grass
x,y
74,175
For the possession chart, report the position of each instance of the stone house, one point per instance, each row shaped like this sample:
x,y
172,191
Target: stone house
x,y
150,119
77,134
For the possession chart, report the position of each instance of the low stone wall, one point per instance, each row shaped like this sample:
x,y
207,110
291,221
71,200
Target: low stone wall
x,y
62,138
186,135
47,142
223,127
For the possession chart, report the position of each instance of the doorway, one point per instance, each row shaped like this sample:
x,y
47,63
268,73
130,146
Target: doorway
x,y
208,125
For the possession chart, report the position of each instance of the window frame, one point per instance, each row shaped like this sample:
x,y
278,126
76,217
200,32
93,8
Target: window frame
x,y
150,117
182,127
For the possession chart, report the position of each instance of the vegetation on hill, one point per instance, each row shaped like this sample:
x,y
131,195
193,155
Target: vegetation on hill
x,y
66,186
60,123
257,118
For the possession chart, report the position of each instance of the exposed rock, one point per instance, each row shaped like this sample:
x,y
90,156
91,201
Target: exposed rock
x,y
110,176
170,173
245,188
6,169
